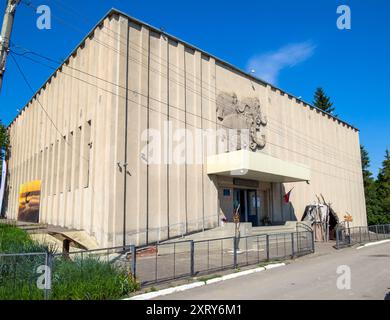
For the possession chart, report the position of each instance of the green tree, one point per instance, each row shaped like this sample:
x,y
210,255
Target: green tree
x,y
4,141
383,188
322,101
374,210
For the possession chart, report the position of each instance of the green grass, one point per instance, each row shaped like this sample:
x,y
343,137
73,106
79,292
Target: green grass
x,y
206,278
77,279
266,263
90,279
15,240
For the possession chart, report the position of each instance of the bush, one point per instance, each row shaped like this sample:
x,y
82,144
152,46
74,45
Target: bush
x,y
18,277
78,279
15,240
90,279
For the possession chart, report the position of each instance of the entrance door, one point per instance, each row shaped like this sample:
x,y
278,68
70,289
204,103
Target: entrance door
x,y
239,201
248,203
253,207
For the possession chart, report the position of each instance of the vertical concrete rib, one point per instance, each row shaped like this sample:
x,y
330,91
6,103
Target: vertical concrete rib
x,y
147,147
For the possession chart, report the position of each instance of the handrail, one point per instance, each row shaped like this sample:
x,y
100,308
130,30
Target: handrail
x,y
304,226
180,224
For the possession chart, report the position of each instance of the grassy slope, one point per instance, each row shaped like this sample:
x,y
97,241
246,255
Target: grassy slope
x,y
71,279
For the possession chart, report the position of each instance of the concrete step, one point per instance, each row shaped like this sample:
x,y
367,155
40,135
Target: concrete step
x,y
217,237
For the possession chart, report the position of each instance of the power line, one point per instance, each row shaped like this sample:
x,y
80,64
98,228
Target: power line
x,y
280,132
76,14
40,104
312,143
150,108
149,53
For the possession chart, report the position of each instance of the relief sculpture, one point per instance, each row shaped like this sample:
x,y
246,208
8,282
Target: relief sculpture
x,y
242,114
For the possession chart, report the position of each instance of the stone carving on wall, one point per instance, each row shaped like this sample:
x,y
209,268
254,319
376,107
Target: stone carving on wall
x,y
242,114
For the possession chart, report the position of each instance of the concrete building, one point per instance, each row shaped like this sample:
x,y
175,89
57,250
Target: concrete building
x,y
84,137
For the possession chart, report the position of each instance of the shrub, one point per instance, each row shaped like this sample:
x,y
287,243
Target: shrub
x,y
90,279
78,279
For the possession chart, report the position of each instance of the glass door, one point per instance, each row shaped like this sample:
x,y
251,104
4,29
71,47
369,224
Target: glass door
x,y
253,207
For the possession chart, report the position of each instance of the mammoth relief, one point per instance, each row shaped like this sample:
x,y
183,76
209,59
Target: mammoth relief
x,y
242,114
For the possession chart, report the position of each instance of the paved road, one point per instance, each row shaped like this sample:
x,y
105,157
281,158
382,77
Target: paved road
x,y
312,277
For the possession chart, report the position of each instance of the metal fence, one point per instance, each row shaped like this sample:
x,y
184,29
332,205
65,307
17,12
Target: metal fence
x,y
20,272
32,276
174,260
349,236
150,264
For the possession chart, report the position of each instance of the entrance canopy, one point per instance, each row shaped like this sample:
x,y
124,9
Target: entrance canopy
x,y
257,166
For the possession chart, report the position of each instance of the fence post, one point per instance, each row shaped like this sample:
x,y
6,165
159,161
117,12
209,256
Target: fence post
x,y
48,274
360,233
235,252
292,246
312,242
267,245
337,237
376,231
192,267
134,261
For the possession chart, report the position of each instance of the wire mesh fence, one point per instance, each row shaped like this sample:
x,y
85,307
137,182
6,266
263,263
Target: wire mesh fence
x,y
88,274
175,260
212,255
21,275
163,261
46,275
349,236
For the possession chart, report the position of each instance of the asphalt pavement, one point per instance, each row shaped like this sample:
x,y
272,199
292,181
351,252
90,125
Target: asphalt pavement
x,y
316,277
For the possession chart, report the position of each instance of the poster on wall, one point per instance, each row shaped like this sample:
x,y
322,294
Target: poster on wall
x,y
29,201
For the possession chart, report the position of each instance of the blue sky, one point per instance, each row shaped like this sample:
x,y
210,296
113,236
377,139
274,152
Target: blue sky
x,y
293,44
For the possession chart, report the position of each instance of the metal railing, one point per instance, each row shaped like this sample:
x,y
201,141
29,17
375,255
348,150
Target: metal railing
x,y
152,264
173,260
349,236
19,272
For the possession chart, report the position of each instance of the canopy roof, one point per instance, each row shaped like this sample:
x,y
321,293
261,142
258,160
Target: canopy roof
x,y
257,166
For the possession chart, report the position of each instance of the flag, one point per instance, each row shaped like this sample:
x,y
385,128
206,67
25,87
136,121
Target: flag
x,y
286,197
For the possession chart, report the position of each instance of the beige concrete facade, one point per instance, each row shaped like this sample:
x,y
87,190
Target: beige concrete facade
x,y
127,75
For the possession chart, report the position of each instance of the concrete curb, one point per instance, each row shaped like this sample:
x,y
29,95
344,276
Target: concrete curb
x,y
163,292
372,244
274,265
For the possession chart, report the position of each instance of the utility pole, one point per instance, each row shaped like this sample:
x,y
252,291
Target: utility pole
x,y
6,35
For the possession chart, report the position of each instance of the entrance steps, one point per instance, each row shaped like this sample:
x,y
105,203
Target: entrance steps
x,y
288,227
227,231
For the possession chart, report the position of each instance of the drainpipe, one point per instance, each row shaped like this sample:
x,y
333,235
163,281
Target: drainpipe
x,y
125,155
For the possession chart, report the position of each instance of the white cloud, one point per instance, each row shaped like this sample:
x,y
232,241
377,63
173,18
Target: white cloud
x,y
267,66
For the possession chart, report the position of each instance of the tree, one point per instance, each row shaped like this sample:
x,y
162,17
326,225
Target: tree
x,y
322,101
4,141
374,210
4,145
383,188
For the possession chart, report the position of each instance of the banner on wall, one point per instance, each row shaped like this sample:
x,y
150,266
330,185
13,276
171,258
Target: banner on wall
x,y
29,201
2,185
